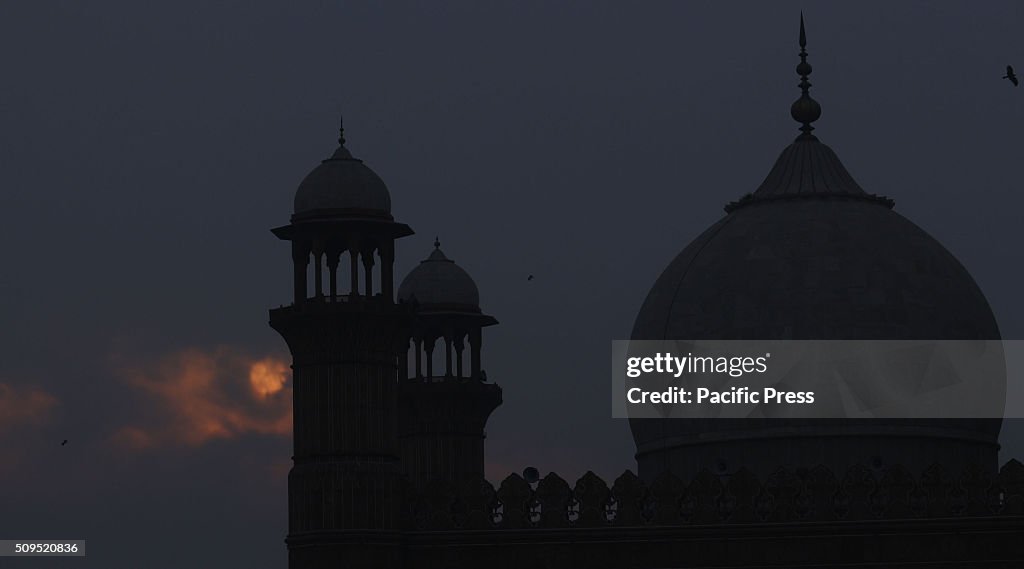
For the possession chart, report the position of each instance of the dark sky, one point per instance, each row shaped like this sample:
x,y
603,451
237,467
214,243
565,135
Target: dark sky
x,y
148,149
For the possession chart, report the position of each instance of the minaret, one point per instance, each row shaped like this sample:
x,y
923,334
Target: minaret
x,y
444,405
345,339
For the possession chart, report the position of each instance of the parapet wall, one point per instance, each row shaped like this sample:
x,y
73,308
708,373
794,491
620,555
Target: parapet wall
x,y
804,495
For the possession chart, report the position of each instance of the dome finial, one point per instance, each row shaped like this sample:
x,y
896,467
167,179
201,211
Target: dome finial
x,y
803,35
437,243
341,130
805,110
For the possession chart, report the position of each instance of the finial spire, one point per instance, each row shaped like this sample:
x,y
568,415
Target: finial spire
x,y
805,110
803,35
341,131
437,243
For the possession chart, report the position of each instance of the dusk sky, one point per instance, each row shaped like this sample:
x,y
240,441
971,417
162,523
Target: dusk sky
x,y
148,149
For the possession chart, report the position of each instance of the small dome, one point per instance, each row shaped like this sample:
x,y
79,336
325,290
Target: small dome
x,y
438,282
342,185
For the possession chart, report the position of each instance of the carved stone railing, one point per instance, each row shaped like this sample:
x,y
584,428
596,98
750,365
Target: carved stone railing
x,y
809,495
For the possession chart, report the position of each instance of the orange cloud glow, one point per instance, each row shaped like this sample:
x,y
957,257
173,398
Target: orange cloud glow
x,y
202,396
267,376
133,438
24,406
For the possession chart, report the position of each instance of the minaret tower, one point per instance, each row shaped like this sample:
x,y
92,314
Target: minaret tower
x,y
345,338
444,405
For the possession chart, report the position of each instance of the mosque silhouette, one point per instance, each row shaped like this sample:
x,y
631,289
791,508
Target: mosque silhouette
x,y
389,444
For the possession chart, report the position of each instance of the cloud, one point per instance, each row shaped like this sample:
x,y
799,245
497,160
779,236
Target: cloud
x,y
21,406
133,438
25,411
196,396
268,376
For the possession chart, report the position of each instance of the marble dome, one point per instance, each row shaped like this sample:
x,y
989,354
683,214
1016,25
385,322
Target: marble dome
x,y
810,255
342,186
438,282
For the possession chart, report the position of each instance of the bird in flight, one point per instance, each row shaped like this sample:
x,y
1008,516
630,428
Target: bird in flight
x,y
529,278
64,443
1010,75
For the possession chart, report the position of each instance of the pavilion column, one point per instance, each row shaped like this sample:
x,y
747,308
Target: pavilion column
x,y
333,258
447,356
353,255
405,362
387,261
429,349
419,358
475,337
300,258
318,270
368,267
459,345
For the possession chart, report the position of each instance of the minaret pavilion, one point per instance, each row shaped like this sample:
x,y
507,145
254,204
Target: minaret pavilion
x,y
345,339
444,405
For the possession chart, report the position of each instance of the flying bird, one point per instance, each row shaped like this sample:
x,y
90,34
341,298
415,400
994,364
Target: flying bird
x,y
529,278
1010,75
64,443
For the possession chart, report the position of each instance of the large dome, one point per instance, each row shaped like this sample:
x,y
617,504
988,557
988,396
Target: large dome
x,y
342,185
818,266
437,282
812,256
